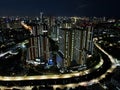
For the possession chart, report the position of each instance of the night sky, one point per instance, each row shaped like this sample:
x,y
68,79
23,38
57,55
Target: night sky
x,y
97,8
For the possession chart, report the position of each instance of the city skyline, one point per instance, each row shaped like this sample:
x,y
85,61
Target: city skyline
x,y
50,53
98,8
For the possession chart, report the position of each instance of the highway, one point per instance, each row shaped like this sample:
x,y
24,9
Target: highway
x,y
70,75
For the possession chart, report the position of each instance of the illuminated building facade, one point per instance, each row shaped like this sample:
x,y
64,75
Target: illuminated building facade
x,y
39,43
75,43
72,40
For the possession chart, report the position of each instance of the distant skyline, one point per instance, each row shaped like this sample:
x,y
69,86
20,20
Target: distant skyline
x,y
98,8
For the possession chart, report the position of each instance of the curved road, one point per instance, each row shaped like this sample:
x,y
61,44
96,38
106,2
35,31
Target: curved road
x,y
70,75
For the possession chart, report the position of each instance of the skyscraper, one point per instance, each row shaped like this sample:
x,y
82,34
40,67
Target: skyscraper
x,y
75,42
